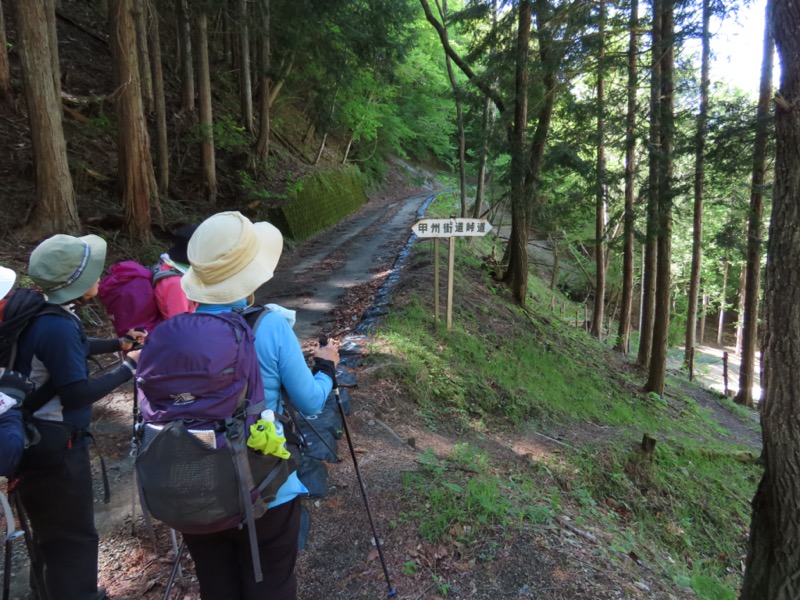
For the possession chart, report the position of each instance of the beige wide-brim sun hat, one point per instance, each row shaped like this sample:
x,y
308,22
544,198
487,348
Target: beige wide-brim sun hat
x,y
66,267
230,257
7,279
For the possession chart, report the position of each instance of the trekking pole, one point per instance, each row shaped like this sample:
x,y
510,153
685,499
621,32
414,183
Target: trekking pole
x,y
134,450
175,568
177,549
12,533
391,591
30,544
137,435
7,569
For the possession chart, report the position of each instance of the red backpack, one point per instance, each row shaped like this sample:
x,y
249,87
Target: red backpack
x,y
127,294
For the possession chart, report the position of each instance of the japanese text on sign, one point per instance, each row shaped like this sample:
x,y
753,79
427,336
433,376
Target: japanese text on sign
x,y
451,228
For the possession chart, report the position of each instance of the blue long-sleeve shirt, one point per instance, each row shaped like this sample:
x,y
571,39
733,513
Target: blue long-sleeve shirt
x,y
283,365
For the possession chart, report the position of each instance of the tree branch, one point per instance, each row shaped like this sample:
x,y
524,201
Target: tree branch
x,y
465,68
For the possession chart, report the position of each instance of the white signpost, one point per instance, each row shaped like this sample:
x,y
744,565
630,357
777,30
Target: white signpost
x,y
448,228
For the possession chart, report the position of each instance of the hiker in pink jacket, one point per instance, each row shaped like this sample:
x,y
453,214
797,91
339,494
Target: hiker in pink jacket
x,y
170,297
139,297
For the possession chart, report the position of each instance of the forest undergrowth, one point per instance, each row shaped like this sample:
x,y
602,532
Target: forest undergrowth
x,y
545,423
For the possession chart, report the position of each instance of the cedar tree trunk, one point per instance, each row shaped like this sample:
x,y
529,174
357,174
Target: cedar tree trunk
x,y
55,210
654,168
5,73
699,188
753,281
658,360
628,257
159,102
135,178
600,192
206,116
772,569
517,272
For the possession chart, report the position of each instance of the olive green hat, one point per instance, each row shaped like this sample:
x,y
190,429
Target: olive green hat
x,y
66,267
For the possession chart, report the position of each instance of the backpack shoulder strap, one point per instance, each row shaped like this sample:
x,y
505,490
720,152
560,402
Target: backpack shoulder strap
x,y
159,273
24,305
39,397
253,315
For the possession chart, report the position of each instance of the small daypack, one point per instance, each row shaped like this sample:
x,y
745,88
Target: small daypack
x,y
19,309
200,389
128,297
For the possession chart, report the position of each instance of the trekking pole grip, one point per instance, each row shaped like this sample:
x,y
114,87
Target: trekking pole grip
x,y
323,341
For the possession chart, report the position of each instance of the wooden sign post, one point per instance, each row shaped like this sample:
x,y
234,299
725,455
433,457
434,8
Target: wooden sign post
x,y
435,280
448,228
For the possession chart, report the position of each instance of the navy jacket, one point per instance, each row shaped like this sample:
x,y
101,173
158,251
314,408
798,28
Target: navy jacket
x,y
11,442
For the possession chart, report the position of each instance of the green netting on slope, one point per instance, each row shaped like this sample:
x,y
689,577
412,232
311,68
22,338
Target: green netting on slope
x,y
325,199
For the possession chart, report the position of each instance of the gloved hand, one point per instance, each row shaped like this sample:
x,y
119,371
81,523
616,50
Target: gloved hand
x,y
133,339
15,385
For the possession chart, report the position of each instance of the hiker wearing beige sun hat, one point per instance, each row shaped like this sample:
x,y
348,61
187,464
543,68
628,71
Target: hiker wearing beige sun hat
x,y
55,482
230,258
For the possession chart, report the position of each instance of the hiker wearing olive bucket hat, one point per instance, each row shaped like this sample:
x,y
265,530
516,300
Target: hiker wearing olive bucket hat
x,y
55,483
230,258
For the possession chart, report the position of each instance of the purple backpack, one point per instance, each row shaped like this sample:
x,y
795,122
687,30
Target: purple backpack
x,y
127,295
200,389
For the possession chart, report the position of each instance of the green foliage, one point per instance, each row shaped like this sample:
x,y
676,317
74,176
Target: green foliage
x,y
455,504
409,568
513,377
102,124
677,322
707,588
228,134
374,69
252,188
685,512
318,202
442,587
687,498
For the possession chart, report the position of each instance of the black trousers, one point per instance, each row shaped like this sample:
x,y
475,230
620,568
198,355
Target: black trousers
x,y
60,506
225,566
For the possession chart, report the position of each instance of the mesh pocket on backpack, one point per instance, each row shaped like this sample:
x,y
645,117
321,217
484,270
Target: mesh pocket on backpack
x,y
188,485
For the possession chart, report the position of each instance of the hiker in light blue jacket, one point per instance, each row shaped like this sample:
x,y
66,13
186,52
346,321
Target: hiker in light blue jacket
x,y
230,258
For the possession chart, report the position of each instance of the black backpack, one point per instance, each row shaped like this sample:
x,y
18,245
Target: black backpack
x,y
44,440
21,308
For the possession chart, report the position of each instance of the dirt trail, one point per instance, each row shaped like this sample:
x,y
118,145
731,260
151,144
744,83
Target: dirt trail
x,y
313,279
337,271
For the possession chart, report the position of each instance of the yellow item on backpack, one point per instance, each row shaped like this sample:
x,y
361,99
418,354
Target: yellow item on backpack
x,y
264,439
